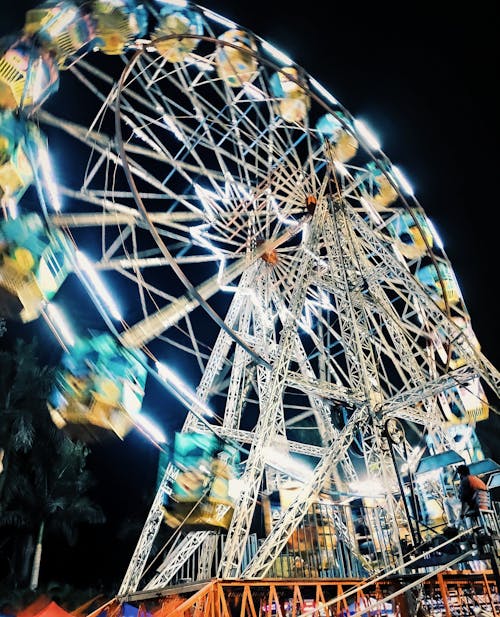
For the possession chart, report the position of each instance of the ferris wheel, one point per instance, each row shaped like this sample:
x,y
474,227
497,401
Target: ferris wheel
x,y
258,242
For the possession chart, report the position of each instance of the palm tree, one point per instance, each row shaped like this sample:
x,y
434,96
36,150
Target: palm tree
x,y
44,486
62,501
24,387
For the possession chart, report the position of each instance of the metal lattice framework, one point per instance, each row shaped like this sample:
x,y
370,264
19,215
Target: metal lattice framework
x,y
270,262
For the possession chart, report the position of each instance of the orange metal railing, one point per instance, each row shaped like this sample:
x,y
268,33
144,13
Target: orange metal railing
x,y
446,594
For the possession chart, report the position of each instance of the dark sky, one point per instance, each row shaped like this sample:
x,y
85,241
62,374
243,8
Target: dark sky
x,y
426,80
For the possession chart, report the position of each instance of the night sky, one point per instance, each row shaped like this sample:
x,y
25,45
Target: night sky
x,y
426,80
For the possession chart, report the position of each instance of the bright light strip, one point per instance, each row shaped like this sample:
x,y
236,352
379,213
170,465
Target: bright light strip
x,y
341,168
279,216
282,461
208,201
181,3
415,455
130,399
219,19
402,181
306,320
322,263
324,300
138,132
322,91
276,53
372,213
367,135
203,65
99,287
141,134
305,233
253,92
172,127
60,323
435,235
38,81
11,205
48,178
197,233
167,375
242,190
150,427
366,488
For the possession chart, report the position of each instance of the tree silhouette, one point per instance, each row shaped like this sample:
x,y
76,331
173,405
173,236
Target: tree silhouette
x,y
44,484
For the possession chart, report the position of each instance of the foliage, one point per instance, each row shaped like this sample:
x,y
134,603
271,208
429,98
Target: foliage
x,y
44,485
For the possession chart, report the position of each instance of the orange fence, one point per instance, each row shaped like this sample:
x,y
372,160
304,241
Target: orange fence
x,y
445,595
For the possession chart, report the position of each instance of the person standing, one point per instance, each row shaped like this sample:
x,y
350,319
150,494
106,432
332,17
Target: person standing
x,y
472,492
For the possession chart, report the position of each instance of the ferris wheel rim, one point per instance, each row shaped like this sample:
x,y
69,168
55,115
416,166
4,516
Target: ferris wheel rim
x,y
212,39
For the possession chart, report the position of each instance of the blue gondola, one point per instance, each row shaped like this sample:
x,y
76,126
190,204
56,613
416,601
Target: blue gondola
x,y
17,139
412,233
34,262
236,65
465,404
176,20
59,27
28,74
200,496
99,388
377,186
340,144
118,24
293,99
432,277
